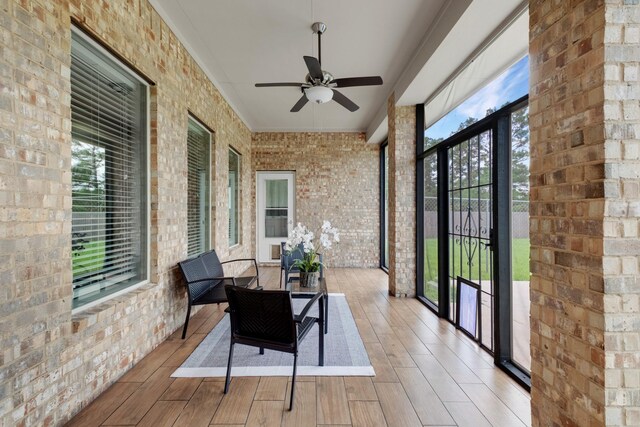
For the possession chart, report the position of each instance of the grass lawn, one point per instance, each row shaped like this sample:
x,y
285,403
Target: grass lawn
x,y
479,268
88,259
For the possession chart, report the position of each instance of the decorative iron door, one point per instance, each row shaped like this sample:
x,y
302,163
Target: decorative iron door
x,y
470,214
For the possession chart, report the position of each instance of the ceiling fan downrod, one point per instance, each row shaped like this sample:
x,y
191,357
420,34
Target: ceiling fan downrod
x,y
319,28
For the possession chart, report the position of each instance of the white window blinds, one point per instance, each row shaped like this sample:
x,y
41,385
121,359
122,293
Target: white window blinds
x,y
198,177
108,168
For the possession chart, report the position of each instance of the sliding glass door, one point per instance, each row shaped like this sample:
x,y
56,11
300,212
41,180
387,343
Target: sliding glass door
x,y
473,250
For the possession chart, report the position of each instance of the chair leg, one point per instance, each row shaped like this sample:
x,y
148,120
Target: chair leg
x,y
186,322
320,345
326,313
226,383
261,350
293,379
321,330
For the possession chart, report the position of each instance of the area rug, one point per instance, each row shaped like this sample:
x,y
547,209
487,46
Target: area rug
x,y
344,352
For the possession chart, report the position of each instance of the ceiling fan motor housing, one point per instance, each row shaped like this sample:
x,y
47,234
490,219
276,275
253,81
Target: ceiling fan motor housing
x,y
327,78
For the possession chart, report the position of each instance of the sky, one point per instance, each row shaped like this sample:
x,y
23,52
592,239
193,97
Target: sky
x,y
508,86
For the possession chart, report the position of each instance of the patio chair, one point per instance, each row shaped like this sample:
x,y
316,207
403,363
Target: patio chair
x,y
265,319
287,261
205,280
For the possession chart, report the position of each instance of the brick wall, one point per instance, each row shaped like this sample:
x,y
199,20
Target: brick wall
x,y
53,362
585,184
621,211
337,176
567,167
402,199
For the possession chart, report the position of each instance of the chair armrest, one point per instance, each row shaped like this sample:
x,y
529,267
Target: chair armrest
x,y
238,259
298,318
255,265
208,279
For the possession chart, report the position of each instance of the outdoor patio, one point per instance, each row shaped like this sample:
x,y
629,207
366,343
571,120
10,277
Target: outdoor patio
x,y
137,134
427,373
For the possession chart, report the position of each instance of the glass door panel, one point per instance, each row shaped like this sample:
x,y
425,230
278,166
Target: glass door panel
x,y
275,201
520,247
431,228
276,212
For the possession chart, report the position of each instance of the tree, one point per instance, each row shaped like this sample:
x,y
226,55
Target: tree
x,y
87,177
469,161
520,150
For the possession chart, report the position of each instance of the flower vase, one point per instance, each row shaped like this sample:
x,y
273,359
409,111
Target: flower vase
x,y
309,279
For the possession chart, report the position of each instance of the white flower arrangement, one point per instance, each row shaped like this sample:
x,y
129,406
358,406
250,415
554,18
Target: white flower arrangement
x,y
301,235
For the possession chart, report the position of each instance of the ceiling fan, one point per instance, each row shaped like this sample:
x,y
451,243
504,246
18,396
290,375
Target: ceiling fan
x,y
319,86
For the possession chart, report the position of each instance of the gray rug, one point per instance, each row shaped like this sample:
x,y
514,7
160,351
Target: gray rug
x,y
344,352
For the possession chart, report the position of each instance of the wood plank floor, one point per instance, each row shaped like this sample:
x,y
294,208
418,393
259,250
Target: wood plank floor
x,y
426,374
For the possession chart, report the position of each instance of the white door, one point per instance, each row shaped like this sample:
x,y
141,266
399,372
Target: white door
x,y
275,193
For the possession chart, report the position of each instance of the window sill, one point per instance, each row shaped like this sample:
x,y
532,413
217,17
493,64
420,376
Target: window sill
x,y
90,314
235,248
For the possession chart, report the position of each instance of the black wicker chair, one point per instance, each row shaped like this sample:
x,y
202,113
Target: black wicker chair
x,y
287,261
205,280
265,319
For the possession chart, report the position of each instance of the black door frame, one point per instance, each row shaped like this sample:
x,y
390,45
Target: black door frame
x,y
499,123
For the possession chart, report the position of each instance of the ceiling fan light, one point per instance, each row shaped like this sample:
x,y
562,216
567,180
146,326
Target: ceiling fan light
x,y
319,94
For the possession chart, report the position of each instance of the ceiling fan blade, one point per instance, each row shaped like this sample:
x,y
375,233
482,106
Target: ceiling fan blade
x,y
278,84
314,67
344,101
301,103
358,81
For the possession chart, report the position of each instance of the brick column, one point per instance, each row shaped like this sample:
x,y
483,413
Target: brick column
x,y
621,212
585,202
402,199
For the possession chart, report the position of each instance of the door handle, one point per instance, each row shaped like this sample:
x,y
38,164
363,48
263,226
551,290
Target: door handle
x,y
490,244
487,245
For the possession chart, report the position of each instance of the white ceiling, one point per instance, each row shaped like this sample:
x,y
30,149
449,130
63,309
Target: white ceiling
x,y
243,42
413,44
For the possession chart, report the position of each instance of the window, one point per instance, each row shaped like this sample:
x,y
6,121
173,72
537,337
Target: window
x,y
384,208
108,174
234,197
198,188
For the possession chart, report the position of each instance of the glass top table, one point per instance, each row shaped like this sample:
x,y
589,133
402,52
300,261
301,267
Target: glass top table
x,y
295,288
298,291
